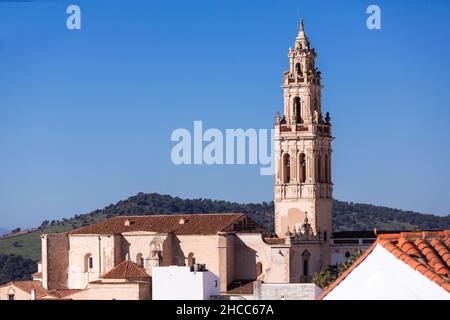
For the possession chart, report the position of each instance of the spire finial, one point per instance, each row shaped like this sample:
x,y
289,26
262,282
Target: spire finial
x,y
302,34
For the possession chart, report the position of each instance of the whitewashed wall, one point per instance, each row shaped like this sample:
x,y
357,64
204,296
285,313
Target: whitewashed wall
x,y
179,283
382,276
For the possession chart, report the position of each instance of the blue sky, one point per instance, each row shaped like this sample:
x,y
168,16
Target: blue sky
x,y
86,115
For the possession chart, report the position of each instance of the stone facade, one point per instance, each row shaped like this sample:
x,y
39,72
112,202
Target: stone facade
x,y
303,186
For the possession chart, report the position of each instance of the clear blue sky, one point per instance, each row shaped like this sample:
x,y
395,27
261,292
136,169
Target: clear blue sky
x,y
86,116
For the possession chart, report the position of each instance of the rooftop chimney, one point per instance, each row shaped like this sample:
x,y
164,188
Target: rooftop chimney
x,y
33,294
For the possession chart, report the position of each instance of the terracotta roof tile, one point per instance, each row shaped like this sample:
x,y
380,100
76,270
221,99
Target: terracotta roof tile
x,y
240,287
27,286
274,240
426,252
127,270
63,293
178,224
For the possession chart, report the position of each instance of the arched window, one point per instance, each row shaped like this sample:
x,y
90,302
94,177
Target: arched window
x,y
258,269
302,172
156,247
140,260
305,262
191,259
319,169
305,267
88,262
286,168
298,69
298,110
327,173
347,254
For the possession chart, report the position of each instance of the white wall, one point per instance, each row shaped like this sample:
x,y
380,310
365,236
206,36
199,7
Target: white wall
x,y
286,291
179,283
382,276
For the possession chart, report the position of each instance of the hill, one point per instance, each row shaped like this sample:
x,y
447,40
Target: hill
x,y
346,216
15,268
3,231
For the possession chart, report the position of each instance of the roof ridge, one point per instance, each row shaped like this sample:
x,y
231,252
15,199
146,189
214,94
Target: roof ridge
x,y
198,224
125,270
145,215
408,234
347,272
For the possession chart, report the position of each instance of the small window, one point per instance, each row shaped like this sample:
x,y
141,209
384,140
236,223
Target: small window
x,y
305,267
302,172
191,259
216,283
88,262
140,260
325,236
286,168
305,259
10,296
347,254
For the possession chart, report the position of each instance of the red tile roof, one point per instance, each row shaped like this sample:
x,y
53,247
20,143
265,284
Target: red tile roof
x,y
178,224
274,240
240,287
428,252
62,293
27,286
41,292
127,270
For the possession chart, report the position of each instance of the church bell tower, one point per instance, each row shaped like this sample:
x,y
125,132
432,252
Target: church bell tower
x,y
302,140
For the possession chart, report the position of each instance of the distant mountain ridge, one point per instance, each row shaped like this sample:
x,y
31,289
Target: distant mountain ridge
x,y
347,216
3,231
25,247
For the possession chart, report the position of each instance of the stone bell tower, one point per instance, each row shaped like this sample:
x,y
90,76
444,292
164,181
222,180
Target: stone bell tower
x,y
303,187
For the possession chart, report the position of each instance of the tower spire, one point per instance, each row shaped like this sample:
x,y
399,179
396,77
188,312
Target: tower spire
x,y
302,39
303,146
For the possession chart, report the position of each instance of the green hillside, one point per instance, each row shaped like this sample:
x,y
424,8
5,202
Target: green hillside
x,y
346,216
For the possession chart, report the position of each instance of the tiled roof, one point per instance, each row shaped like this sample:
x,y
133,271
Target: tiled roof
x,y
126,270
426,252
41,292
274,240
27,286
240,287
63,293
179,224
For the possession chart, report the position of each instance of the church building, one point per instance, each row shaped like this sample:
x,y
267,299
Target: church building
x,y
114,259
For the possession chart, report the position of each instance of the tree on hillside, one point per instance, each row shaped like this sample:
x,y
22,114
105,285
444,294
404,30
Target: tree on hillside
x,y
14,268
